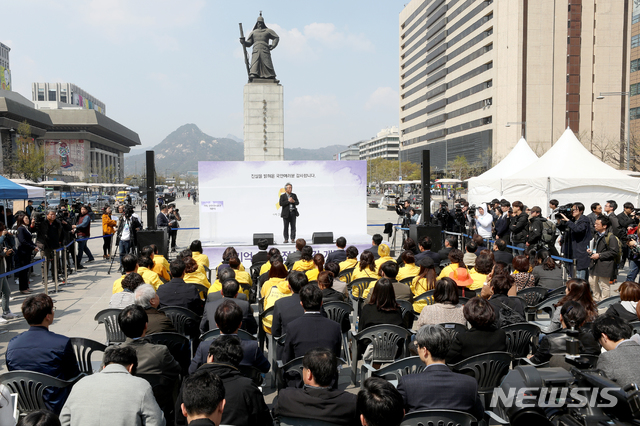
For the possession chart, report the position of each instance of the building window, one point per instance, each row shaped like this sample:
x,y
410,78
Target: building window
x,y
52,95
634,89
634,113
636,19
40,94
635,65
635,41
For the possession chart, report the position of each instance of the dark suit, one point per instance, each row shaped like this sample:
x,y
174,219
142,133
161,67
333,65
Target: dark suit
x,y
178,293
444,253
503,256
253,356
260,257
620,364
428,253
158,322
43,351
331,405
162,220
153,359
310,331
474,342
208,317
337,256
374,249
292,258
289,214
437,387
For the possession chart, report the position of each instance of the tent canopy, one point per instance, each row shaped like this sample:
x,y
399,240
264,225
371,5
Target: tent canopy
x,y
11,190
34,191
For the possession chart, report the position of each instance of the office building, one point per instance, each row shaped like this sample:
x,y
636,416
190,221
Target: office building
x,y
470,67
5,69
385,145
634,88
63,96
351,153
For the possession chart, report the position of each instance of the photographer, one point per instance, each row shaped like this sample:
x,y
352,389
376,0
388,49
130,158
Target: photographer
x,y
66,220
174,218
627,221
576,235
83,230
502,223
519,226
48,236
128,226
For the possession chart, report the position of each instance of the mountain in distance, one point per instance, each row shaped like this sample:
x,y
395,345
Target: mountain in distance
x,y
181,150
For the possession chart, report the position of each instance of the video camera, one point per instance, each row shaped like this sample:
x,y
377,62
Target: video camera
x,y
564,210
128,211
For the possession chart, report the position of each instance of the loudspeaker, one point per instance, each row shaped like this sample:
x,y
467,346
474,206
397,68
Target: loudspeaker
x,y
268,237
159,237
151,190
322,238
418,232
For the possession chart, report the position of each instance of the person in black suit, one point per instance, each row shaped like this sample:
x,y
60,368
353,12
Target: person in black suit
x,y
425,251
261,256
162,221
43,351
229,292
437,387
288,309
289,214
450,243
228,318
318,399
482,337
312,330
178,293
500,254
379,403
376,241
339,255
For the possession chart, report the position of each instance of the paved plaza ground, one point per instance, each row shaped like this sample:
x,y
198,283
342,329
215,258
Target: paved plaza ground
x,y
89,291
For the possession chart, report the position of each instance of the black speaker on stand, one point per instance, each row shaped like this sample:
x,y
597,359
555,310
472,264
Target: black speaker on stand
x,y
159,237
268,237
418,232
322,238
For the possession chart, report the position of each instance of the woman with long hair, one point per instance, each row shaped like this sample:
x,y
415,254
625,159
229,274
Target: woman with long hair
x,y
382,307
318,261
445,308
25,249
423,282
579,291
108,229
546,272
202,259
456,257
366,268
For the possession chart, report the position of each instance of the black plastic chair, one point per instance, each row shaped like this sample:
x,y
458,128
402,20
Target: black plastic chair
x,y
546,306
212,334
558,291
162,389
463,300
427,295
407,280
488,369
299,421
385,339
438,418
202,289
83,350
406,308
289,373
109,317
254,271
395,370
361,284
178,346
636,326
533,295
453,328
252,373
30,386
522,339
181,318
603,304
346,274
339,312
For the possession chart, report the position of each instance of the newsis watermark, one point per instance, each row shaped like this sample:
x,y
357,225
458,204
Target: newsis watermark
x,y
555,397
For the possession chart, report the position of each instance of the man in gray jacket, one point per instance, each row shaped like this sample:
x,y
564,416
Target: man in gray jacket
x,y
113,396
620,361
603,259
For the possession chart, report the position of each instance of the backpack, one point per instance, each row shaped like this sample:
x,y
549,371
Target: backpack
x,y
619,252
548,232
509,316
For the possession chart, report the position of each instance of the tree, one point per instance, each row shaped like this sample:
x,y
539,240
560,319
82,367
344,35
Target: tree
x,y
381,170
460,167
29,158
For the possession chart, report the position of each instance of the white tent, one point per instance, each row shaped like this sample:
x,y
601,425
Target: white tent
x,y
569,173
32,191
488,185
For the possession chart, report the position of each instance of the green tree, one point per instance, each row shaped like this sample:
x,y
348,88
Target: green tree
x,y
29,159
460,167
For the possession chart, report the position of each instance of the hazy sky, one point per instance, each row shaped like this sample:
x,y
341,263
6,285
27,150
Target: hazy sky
x,y
159,64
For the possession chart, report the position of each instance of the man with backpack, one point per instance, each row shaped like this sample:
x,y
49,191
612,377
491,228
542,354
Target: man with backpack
x,y
542,232
605,255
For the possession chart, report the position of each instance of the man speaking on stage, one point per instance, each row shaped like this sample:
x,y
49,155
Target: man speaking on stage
x,y
288,202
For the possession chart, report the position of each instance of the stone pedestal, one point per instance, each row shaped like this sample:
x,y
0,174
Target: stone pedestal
x,y
263,121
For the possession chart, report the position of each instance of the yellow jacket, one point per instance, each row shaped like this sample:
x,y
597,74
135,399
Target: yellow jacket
x,y
384,259
201,259
366,273
159,269
108,225
149,277
198,277
419,286
449,269
408,270
241,267
117,285
243,277
158,258
478,279
312,274
347,264
303,265
273,289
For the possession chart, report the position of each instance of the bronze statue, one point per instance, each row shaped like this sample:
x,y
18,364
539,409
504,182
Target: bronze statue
x,y
261,65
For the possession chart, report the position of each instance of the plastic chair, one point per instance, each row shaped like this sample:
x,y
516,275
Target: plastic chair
x,y
488,369
109,317
30,386
603,304
162,389
546,306
202,289
181,318
453,328
252,373
407,280
212,334
254,271
346,274
522,339
361,284
427,295
386,339
289,371
533,295
178,346
83,350
338,311
636,326
299,421
438,417
395,370
406,308
558,291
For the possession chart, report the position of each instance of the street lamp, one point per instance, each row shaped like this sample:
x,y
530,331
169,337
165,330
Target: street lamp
x,y
524,124
628,95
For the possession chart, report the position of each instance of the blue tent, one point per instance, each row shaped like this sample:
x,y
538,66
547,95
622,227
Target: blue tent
x,y
12,191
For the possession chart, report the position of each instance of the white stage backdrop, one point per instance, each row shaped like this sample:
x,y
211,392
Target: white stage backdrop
x,y
238,199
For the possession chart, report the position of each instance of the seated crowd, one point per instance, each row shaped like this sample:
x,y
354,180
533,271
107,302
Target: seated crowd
x,y
476,289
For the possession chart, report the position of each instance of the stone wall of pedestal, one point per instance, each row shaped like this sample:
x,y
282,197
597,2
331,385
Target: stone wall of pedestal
x,y
263,121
